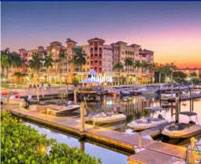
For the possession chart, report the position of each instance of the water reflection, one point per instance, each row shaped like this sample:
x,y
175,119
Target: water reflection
x,y
107,156
134,107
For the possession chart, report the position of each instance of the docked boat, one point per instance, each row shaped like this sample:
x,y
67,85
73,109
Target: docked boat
x,y
105,119
113,92
182,130
148,122
58,110
167,95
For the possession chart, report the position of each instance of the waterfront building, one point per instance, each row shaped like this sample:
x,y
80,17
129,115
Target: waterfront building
x,y
59,69
191,71
146,74
24,55
99,56
121,51
96,54
73,71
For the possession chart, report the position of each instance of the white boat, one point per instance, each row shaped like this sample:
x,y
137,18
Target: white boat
x,y
182,130
147,123
102,119
62,110
167,95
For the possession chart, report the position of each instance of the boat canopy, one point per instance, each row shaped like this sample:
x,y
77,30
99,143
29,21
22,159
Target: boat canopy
x,y
188,113
155,108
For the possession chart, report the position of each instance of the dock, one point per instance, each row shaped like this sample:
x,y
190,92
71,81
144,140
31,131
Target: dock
x,y
159,152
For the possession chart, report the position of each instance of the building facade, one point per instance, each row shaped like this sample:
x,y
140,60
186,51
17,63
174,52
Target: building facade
x,y
99,56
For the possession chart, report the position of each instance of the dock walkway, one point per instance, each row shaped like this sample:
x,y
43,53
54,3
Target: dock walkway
x,y
152,152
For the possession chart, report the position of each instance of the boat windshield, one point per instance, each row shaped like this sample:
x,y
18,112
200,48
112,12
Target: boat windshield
x,y
188,113
155,108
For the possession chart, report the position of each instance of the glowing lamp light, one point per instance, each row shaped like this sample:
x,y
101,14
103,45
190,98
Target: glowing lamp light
x,y
42,149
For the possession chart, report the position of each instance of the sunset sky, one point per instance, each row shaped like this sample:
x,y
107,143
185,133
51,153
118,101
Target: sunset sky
x,y
171,29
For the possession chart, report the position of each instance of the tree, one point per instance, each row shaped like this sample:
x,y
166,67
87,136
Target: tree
x,y
173,67
137,66
4,64
128,63
144,66
193,75
36,64
60,61
79,59
20,76
48,62
179,76
10,60
118,67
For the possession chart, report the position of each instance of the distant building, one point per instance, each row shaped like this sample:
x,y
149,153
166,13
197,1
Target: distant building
x,y
190,71
24,55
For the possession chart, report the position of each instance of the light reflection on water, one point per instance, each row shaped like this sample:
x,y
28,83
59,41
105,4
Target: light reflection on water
x,y
137,104
134,109
107,156
129,108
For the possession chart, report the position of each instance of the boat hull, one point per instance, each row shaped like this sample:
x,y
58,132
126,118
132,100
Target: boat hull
x,y
185,133
143,126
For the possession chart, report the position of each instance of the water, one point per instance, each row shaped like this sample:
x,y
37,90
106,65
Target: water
x,y
107,156
133,109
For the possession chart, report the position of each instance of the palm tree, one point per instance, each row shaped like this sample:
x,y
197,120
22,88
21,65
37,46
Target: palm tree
x,y
166,71
173,67
128,63
137,66
159,69
144,66
79,60
10,60
60,61
118,67
36,64
4,64
48,62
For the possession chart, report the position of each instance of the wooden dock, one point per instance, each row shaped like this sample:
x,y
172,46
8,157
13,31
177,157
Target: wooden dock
x,y
151,152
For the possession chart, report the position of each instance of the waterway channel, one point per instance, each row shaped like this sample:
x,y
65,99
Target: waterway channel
x,y
131,108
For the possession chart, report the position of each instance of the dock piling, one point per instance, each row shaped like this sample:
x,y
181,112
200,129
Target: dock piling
x,y
82,120
177,107
37,92
140,140
75,95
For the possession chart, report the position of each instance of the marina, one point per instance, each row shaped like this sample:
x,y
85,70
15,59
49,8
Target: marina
x,y
122,137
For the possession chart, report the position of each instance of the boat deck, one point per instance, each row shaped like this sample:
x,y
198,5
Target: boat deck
x,y
158,151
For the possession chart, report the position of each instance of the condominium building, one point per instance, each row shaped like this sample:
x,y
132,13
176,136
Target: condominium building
x,y
99,57
121,51
59,68
107,60
147,56
96,54
24,55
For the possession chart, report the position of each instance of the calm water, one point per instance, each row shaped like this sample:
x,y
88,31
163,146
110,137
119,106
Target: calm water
x,y
132,109
107,156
